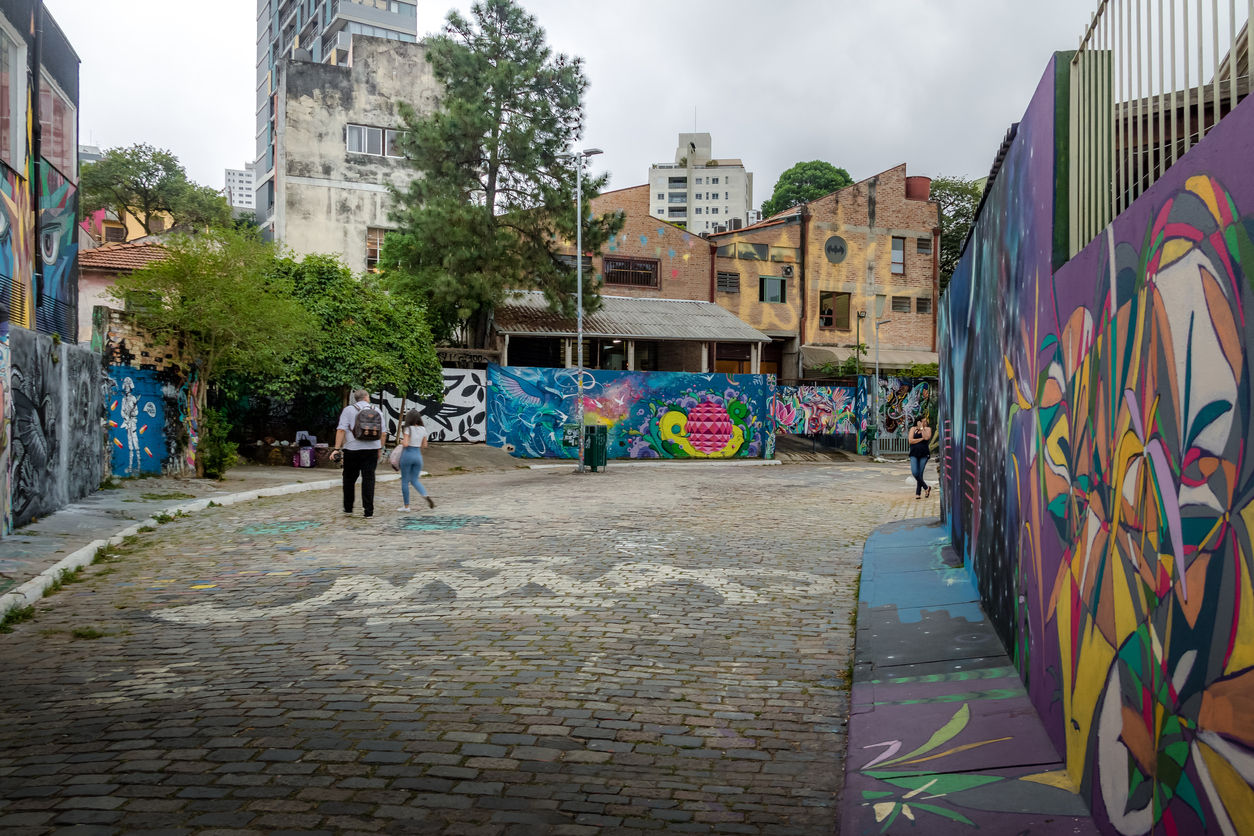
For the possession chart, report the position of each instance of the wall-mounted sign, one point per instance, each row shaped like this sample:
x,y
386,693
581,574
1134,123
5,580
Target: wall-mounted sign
x,y
836,249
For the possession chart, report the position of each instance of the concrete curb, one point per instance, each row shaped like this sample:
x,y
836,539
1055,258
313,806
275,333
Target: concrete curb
x,y
31,591
664,463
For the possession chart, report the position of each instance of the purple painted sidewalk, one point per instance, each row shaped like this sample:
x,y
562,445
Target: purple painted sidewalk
x,y
942,737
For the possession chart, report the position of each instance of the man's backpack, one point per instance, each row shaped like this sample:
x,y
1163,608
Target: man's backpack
x,y
368,426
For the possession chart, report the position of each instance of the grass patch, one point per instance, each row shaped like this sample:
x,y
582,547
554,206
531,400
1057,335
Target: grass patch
x,y
164,518
144,529
87,633
64,578
17,615
456,469
109,484
171,495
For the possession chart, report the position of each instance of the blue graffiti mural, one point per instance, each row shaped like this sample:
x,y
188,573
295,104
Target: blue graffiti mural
x,y
669,415
136,422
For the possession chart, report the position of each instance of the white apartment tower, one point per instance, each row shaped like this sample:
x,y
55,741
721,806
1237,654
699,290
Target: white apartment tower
x,y
241,187
700,191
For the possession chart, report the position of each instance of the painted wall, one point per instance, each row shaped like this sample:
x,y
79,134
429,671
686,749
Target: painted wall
x,y
462,416
670,415
52,435
902,401
816,410
1098,477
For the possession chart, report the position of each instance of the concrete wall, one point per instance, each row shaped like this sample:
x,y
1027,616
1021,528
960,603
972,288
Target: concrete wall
x,y
51,433
327,198
1096,425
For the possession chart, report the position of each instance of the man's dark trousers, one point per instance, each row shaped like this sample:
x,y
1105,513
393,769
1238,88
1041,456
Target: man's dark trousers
x,y
363,463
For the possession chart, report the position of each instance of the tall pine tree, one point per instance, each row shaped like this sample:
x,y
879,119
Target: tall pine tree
x,y
494,207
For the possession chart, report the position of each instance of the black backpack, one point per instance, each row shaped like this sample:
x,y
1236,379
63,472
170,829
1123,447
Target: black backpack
x,y
368,426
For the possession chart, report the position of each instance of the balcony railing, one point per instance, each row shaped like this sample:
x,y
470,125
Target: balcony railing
x,y
1150,79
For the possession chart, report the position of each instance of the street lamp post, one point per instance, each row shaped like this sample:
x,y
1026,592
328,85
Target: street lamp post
x,y
875,451
579,159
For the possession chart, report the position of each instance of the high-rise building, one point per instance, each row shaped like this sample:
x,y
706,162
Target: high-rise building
x,y
319,31
241,187
698,191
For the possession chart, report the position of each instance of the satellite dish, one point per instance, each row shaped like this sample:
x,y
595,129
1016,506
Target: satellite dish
x,y
836,249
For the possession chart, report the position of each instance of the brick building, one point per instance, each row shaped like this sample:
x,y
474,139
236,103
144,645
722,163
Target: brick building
x,y
803,276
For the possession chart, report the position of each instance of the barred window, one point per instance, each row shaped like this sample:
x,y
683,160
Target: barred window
x,y
901,304
923,246
633,272
729,282
923,305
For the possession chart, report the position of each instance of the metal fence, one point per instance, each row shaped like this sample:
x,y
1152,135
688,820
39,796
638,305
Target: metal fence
x,y
1150,79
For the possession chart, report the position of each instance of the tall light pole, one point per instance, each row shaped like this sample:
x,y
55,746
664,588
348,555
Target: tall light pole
x,y
875,452
579,159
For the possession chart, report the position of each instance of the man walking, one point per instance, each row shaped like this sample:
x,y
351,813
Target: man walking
x,y
359,437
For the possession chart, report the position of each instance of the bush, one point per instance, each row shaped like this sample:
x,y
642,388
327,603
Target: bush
x,y
216,453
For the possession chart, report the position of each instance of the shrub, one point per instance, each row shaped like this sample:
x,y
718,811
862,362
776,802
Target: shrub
x,y
216,453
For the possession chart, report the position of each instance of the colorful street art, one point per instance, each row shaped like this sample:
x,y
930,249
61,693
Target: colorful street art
x,y
58,236
902,401
17,294
815,410
6,428
137,421
461,416
649,415
1098,476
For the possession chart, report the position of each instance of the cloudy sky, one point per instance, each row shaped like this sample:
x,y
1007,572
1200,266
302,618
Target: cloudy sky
x,y
865,85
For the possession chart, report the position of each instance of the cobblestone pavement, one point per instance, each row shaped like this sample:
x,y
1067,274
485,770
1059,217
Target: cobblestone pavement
x,y
650,649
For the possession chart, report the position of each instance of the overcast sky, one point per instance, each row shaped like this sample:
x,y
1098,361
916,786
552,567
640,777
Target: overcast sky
x,y
865,85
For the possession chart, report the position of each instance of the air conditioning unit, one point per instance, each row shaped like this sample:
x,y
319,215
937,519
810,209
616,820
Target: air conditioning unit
x,y
787,270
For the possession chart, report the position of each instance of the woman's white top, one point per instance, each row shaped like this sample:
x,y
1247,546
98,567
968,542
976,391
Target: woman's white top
x,y
416,434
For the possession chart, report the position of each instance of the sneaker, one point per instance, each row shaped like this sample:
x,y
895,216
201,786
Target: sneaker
x,y
404,509
430,501
348,511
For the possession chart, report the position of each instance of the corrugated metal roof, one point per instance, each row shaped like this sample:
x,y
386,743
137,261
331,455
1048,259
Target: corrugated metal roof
x,y
622,317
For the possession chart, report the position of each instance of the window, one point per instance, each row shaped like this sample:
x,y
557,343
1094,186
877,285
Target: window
x,y
923,246
390,146
787,255
726,195
677,197
633,272
697,181
677,213
374,246
923,305
713,181
59,124
729,282
901,304
899,258
771,289
834,310
661,211
569,261
753,252
114,235
677,182
377,142
661,195
698,210
713,210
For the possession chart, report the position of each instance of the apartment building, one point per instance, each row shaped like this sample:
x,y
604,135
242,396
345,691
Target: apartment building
x,y
698,191
817,277
317,31
241,187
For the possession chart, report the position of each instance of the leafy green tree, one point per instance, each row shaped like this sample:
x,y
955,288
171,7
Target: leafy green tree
x,y
804,182
367,339
221,296
958,198
493,210
149,184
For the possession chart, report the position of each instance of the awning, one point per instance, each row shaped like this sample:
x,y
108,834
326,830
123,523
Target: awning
x,y
814,356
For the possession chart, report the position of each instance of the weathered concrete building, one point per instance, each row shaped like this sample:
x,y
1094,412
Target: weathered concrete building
x,y
335,147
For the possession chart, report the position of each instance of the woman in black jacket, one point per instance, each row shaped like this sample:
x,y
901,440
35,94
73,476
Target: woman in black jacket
x,y
920,438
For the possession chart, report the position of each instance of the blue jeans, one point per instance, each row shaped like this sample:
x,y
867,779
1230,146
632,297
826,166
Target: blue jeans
x,y
917,464
411,469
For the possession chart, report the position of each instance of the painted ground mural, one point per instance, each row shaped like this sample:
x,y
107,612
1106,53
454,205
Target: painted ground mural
x,y
668,415
462,416
1099,479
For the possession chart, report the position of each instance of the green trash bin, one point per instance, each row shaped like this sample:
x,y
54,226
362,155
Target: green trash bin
x,y
596,446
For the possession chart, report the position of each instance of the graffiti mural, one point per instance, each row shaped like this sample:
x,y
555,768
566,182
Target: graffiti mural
x,y
653,415
815,410
1095,434
58,247
36,485
6,427
84,411
137,422
462,416
17,296
902,401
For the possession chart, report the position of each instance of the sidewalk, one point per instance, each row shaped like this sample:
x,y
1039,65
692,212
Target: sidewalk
x,y
942,736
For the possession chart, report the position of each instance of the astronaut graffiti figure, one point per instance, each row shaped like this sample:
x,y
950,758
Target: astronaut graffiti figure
x,y
130,423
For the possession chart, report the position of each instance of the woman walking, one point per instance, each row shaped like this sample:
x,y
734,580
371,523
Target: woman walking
x,y
920,452
413,439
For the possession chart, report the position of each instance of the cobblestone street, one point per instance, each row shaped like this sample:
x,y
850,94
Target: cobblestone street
x,y
650,649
